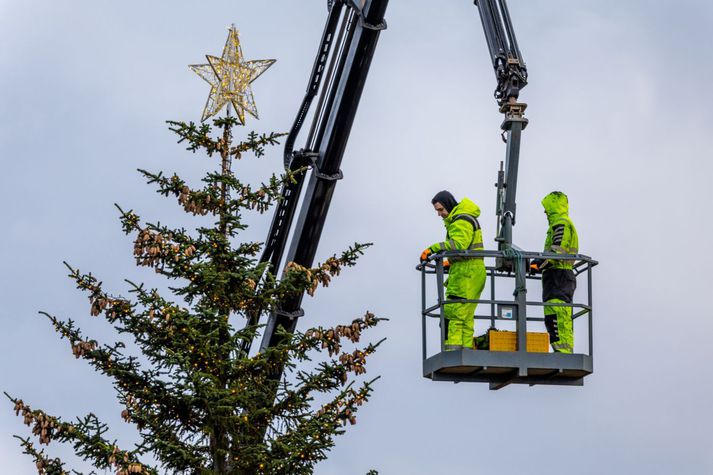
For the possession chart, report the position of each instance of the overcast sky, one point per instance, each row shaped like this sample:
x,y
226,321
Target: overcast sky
x,y
620,118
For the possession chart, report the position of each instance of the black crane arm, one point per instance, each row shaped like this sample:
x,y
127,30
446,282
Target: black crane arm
x,y
293,161
511,74
338,77
510,69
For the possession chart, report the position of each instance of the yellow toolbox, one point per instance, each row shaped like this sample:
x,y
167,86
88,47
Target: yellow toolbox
x,y
501,340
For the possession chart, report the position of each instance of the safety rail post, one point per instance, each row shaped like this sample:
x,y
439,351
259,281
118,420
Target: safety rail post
x,y
423,309
591,308
521,305
441,309
492,297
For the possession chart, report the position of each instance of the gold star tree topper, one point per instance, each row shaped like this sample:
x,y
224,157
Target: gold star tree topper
x,y
229,77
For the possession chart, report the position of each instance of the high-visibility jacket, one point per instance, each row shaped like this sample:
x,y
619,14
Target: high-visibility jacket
x,y
466,276
561,233
558,279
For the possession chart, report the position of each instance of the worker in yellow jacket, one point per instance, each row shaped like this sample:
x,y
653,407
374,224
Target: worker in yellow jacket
x,y
466,276
558,279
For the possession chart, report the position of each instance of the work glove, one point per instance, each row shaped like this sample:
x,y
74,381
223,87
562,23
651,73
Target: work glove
x,y
446,263
424,255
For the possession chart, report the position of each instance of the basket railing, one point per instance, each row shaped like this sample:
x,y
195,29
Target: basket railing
x,y
499,309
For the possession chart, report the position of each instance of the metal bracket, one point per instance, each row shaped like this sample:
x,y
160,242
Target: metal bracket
x,y
369,26
507,379
310,158
291,315
360,12
509,214
514,112
318,173
329,177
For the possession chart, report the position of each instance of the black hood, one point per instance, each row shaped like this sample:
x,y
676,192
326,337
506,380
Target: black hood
x,y
446,199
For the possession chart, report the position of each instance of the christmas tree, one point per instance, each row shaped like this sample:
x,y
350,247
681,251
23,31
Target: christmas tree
x,y
200,401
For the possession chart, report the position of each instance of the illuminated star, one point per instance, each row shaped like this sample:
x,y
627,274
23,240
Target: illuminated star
x,y
229,77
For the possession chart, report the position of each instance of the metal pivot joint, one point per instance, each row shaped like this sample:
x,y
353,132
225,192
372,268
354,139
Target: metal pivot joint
x,y
514,112
509,67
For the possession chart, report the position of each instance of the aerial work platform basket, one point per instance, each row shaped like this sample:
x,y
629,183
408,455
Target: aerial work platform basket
x,y
500,368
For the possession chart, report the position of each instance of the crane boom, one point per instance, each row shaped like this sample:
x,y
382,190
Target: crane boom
x,y
510,69
341,67
338,76
511,75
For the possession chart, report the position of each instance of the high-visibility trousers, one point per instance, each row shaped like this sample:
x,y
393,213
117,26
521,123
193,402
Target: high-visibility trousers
x,y
558,321
558,286
459,317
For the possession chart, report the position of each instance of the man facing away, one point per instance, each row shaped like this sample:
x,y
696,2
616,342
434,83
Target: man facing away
x,y
558,279
466,276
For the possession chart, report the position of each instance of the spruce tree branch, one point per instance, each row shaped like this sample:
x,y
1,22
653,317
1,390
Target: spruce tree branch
x,y
86,437
214,198
161,413
329,375
198,137
292,418
129,220
44,464
256,144
316,433
145,387
300,276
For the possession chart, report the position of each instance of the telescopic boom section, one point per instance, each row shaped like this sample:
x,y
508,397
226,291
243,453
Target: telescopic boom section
x,y
510,70
511,74
338,76
282,220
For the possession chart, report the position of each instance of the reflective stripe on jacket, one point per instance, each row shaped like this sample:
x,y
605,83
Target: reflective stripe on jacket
x,y
462,229
466,276
561,233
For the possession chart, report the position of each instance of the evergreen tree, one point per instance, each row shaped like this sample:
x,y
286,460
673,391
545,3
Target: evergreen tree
x,y
200,403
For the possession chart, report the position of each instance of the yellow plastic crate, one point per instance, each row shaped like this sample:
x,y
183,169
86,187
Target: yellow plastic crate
x,y
507,341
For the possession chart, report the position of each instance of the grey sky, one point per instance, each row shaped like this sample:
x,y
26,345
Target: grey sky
x,y
620,121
